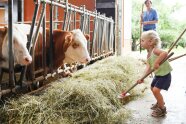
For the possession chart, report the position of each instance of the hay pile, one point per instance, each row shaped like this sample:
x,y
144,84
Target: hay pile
x,y
90,96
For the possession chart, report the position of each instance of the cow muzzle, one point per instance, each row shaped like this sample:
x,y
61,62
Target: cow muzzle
x,y
85,60
27,60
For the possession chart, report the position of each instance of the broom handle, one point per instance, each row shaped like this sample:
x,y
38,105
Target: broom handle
x,y
176,41
171,59
149,72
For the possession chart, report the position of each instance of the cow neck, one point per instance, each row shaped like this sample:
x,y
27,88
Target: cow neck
x,y
60,47
2,36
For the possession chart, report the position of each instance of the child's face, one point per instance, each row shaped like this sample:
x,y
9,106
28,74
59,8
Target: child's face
x,y
145,43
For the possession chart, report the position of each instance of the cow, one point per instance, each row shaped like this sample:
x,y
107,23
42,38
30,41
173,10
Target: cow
x,y
20,51
68,47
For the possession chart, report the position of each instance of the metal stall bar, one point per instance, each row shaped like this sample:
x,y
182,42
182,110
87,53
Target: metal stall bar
x,y
88,25
44,45
61,4
92,48
100,34
69,18
110,36
51,38
112,40
34,39
87,31
23,71
56,15
66,15
10,40
85,24
107,37
74,18
82,18
102,45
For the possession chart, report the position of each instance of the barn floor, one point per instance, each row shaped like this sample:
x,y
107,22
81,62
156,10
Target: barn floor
x,y
175,100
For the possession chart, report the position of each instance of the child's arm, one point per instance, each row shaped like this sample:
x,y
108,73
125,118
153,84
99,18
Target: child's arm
x,y
161,55
147,70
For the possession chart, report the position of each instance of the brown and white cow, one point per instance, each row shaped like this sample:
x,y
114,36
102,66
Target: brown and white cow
x,y
20,52
68,47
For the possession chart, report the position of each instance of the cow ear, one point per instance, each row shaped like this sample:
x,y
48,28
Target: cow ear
x,y
68,38
87,36
68,41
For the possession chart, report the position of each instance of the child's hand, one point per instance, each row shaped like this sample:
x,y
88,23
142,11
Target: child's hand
x,y
156,66
140,81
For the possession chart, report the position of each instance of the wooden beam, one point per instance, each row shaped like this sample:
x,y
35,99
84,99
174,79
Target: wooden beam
x,y
2,1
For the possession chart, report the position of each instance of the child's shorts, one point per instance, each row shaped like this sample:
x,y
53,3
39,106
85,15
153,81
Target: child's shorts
x,y
162,82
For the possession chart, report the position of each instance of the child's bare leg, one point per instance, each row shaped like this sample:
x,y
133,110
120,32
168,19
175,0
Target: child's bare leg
x,y
159,97
152,91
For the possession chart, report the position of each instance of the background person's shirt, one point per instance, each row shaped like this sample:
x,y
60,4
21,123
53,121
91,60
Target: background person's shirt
x,y
150,16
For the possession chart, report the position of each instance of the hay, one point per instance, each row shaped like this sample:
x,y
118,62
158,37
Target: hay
x,y
90,96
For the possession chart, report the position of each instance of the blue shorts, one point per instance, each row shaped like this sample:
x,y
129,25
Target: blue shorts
x,y
162,82
149,29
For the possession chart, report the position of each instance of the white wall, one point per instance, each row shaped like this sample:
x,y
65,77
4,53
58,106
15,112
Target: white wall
x,y
127,19
123,26
127,26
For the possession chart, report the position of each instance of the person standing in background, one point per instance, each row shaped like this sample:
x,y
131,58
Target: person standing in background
x,y
149,18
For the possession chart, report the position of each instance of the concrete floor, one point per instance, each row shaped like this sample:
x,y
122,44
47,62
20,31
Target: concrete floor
x,y
175,99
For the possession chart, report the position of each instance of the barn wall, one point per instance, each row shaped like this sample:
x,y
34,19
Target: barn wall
x,y
29,7
123,26
2,15
4,11
90,4
127,27
106,7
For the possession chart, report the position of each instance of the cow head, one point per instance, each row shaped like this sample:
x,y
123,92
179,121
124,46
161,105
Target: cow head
x,y
77,51
20,51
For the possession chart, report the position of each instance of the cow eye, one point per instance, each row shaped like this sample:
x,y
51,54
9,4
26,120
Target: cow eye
x,y
20,52
75,45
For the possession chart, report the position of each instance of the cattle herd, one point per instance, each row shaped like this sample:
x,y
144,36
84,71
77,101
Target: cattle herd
x,y
68,47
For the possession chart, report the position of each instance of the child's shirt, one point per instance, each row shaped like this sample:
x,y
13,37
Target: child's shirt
x,y
164,68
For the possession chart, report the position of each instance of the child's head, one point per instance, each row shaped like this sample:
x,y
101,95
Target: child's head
x,y
152,37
